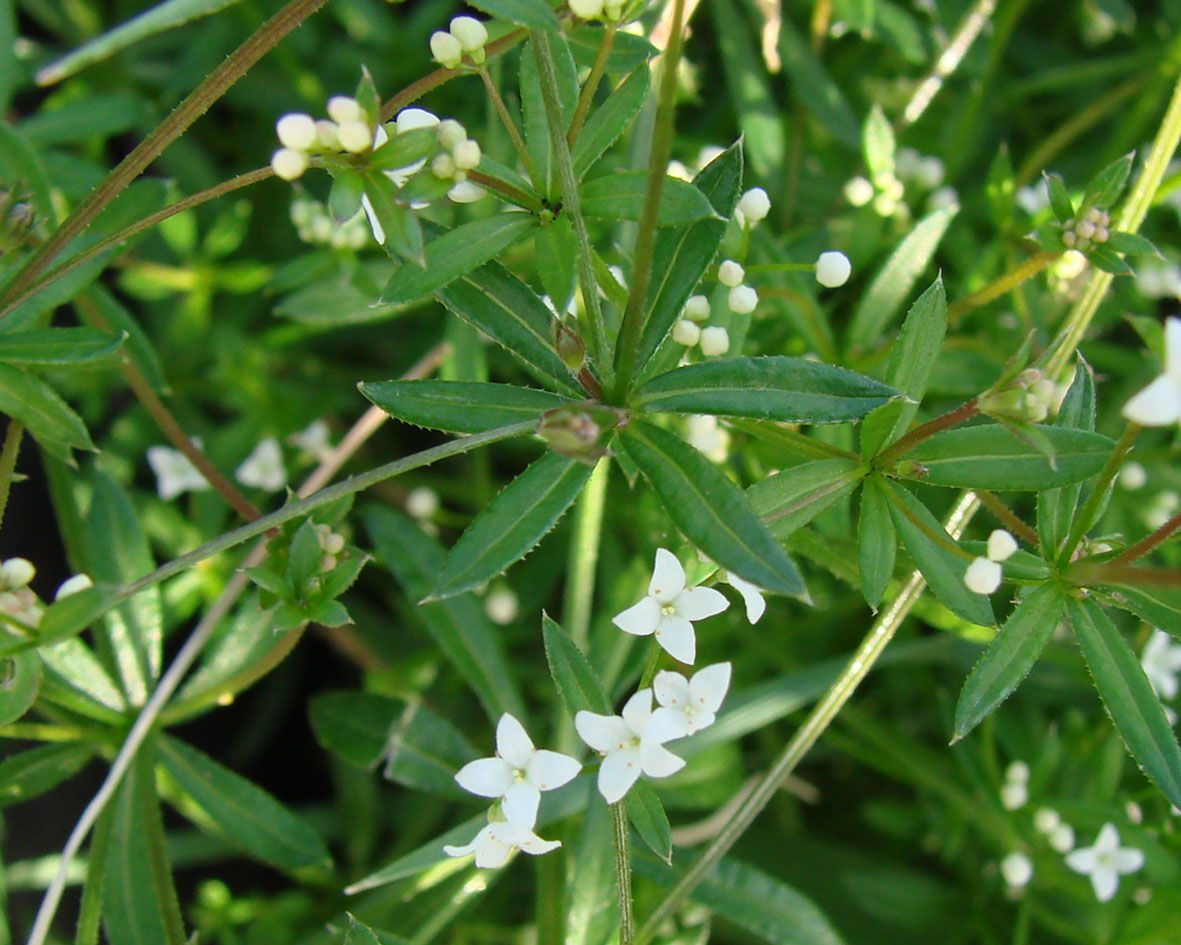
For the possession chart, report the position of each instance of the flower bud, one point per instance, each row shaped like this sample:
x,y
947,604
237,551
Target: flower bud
x,y
501,606
74,585
755,204
466,155
288,164
696,308
833,269
983,576
731,273
858,191
1062,838
742,300
1017,869
342,108
1046,820
1001,545
355,136
326,136
570,346
443,166
470,33
446,49
296,131
422,502
586,9
16,573
715,340
686,333
451,133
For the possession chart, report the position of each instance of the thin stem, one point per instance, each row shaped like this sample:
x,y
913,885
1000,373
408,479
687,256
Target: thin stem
x,y
781,267
905,444
949,60
818,720
510,126
1090,510
623,873
514,194
572,206
1007,517
584,556
178,121
642,256
1108,572
1002,284
12,445
1145,545
587,96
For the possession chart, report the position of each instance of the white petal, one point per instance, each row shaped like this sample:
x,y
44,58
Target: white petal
x,y
532,844
1173,348
466,850
411,119
1108,840
491,852
466,192
602,732
1127,860
487,777
708,686
637,710
513,743
1082,860
701,720
640,619
374,223
671,689
668,577
520,804
618,773
676,635
1105,881
551,769
1158,405
657,761
697,603
752,597
666,725
263,468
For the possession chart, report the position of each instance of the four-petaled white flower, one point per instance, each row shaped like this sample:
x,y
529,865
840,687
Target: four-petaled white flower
x,y
1159,404
687,705
670,607
627,745
518,773
263,468
1105,862
175,472
1161,659
314,439
493,844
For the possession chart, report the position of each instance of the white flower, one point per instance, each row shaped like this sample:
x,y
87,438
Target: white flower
x,y
465,192
1017,869
687,705
833,269
263,468
696,308
73,585
296,131
983,576
752,597
288,164
313,440
1159,404
1001,545
686,333
446,49
1105,862
518,773
1161,660
1033,200
705,434
670,607
1133,476
627,747
731,273
755,204
175,473
493,844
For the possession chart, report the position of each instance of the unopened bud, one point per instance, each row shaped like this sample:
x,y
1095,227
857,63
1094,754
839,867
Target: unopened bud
x,y
355,136
696,308
571,348
446,49
466,155
715,340
470,32
288,164
731,273
686,333
296,131
451,133
342,108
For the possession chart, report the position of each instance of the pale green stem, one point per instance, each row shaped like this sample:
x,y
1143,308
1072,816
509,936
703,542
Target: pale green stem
x,y
1006,282
825,711
623,873
572,206
592,84
12,445
510,126
1090,510
949,60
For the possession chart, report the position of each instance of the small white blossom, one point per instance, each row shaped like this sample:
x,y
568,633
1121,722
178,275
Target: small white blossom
x,y
858,191
1161,660
742,300
705,434
1001,545
626,746
1133,476
670,608
708,154
833,269
263,468
1033,200
686,333
493,844
754,205
752,597
1159,404
296,131
1017,869
983,576
313,440
687,705
679,171
289,164
73,585
517,773
715,340
1105,862
465,192
446,49
696,308
175,473
1014,795
731,273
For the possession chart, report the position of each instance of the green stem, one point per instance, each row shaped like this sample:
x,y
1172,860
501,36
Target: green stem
x,y
584,556
178,121
1143,546
905,444
1002,284
880,634
642,256
514,194
1007,517
12,445
949,60
510,126
572,206
623,873
587,96
1090,510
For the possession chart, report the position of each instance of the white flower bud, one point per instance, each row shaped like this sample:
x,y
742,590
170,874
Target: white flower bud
x,y
501,605
1102,234
929,172
833,269
586,9
1062,838
470,32
466,154
16,573
1133,476
355,136
342,108
451,133
731,273
465,192
755,204
326,136
1093,214
288,164
422,502
982,576
1017,869
1085,229
686,333
613,10
73,585
1069,237
296,131
446,49
411,119
332,543
1014,794
443,166
742,300
1001,545
715,340
1017,771
858,191
696,308
1046,820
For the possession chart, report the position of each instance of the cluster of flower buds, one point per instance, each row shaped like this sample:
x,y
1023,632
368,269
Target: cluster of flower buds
x,y
885,191
1015,790
741,299
1091,229
983,575
331,544
611,10
466,36
314,224
348,128
19,602
1028,398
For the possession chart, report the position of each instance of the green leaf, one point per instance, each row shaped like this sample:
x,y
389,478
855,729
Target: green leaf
x,y
990,456
896,279
344,198
647,815
817,91
916,352
75,678
535,14
1104,189
512,524
1133,244
878,425
591,905
792,390
877,144
50,420
681,256
20,164
1059,198
1128,696
1009,657
943,569
399,224
710,509
27,774
558,246
1159,606
499,304
1055,507
627,54
404,149
607,122
459,625
877,542
455,253
71,615
60,346
20,681
303,558
577,683
137,345
1109,261
620,196
358,933
536,119
241,810
796,495
460,406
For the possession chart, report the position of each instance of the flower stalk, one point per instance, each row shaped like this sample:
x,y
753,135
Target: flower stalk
x,y
8,454
623,873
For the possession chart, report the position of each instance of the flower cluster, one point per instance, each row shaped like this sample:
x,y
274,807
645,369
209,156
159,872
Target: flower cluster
x,y
465,36
176,474
348,127
714,339
1091,229
19,603
983,575
314,224
593,9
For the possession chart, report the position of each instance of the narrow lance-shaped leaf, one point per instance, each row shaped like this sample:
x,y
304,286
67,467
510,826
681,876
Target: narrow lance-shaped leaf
x,y
51,421
397,223
26,774
793,497
710,509
577,683
916,352
60,346
512,523
609,121
1128,696
647,815
1159,606
22,682
791,390
536,120
877,541
1009,657
877,144
460,406
620,196
591,909
1055,507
